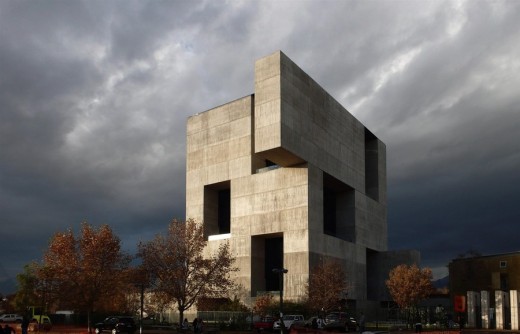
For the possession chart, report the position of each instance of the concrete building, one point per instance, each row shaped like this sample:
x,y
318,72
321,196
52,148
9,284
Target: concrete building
x,y
289,177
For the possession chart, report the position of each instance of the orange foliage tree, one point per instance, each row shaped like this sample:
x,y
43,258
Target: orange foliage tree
x,y
178,268
327,286
81,272
264,305
408,285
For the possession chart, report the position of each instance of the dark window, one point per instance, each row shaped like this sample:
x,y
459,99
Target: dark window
x,y
373,268
273,259
504,284
217,208
371,165
224,211
329,211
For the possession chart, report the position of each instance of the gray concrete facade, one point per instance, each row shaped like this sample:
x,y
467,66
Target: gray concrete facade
x,y
289,178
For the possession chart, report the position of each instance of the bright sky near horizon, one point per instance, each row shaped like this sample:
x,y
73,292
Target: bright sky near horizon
x,y
94,98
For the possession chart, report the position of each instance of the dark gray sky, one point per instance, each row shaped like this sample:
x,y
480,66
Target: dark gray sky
x,y
94,98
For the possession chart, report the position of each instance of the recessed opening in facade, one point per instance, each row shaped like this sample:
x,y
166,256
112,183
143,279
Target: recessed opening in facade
x,y
504,282
217,208
338,209
276,157
371,165
266,166
266,255
372,273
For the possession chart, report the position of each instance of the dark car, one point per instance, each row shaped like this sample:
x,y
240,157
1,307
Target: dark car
x,y
116,324
311,322
340,321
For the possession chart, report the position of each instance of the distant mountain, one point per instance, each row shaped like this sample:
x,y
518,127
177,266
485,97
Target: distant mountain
x,y
442,283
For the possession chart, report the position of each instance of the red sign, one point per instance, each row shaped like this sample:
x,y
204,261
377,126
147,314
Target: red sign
x,y
459,304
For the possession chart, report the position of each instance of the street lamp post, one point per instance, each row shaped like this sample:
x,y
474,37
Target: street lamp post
x,y
142,281
280,272
141,309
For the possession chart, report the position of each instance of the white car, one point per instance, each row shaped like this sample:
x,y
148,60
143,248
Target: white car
x,y
11,318
288,321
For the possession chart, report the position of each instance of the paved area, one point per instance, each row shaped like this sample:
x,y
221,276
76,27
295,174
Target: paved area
x,y
60,329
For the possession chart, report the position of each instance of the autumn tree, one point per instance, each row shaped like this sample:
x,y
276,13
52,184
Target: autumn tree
x,y
327,286
158,303
264,305
179,268
408,285
86,271
27,287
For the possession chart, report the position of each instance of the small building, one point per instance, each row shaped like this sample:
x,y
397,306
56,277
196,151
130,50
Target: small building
x,y
489,285
289,178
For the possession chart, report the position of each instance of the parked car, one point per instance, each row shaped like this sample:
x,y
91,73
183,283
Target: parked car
x,y
116,324
340,321
38,316
43,323
288,321
265,323
307,323
11,317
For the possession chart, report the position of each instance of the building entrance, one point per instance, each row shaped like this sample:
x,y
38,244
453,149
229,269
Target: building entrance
x,y
273,259
267,254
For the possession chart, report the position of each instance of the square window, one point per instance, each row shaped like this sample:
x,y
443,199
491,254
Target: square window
x,y
503,264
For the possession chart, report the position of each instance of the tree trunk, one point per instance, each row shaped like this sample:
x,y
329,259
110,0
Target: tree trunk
x,y
181,316
89,329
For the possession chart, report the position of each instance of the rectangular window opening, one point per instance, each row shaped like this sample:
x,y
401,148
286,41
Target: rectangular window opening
x,y
338,209
504,282
266,255
217,208
224,211
371,165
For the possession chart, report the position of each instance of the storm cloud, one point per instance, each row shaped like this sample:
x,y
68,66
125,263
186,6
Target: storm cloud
x,y
94,98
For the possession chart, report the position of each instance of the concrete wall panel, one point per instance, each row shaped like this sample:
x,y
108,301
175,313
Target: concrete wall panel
x,y
513,297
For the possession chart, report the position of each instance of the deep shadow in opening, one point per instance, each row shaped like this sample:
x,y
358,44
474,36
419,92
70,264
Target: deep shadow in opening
x,y
338,209
224,211
273,259
217,208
